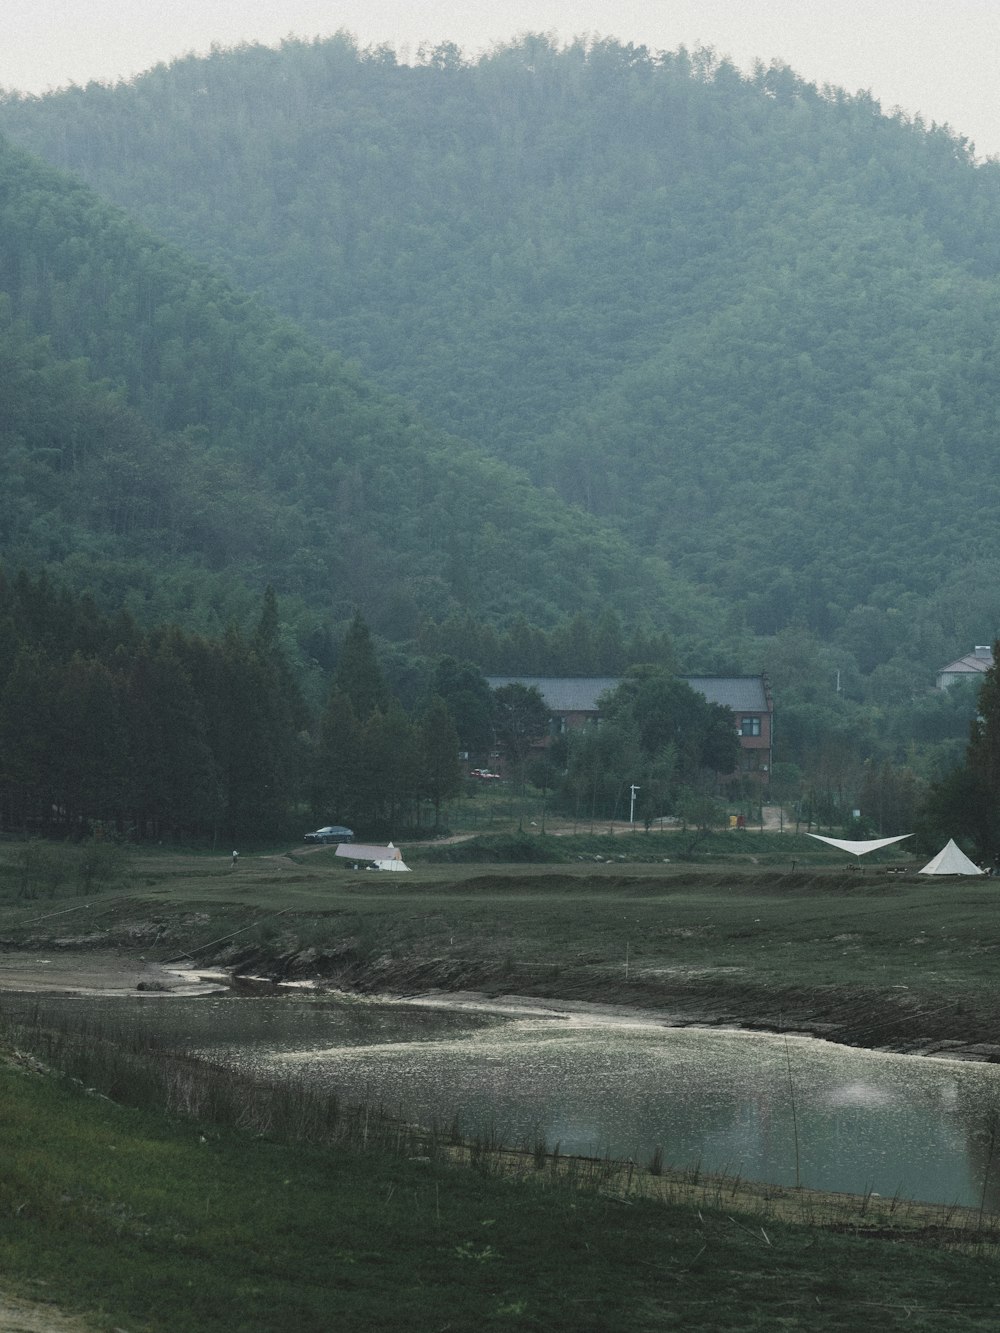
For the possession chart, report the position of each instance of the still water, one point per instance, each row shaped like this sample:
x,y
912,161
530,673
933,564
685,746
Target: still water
x,y
596,1085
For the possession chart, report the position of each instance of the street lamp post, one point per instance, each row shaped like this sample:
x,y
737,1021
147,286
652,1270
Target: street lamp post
x,y
631,807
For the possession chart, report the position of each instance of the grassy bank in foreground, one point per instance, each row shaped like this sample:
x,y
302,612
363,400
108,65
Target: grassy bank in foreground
x,y
144,1222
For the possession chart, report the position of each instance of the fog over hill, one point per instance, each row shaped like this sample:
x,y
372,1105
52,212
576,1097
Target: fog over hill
x,y
172,445
749,325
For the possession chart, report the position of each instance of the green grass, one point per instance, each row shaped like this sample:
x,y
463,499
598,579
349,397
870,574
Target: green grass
x,y
528,846
146,1222
881,959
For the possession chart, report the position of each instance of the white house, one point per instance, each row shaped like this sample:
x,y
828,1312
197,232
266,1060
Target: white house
x,y
970,667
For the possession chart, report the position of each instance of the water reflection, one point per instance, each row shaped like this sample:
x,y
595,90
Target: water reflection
x,y
864,1121
724,1100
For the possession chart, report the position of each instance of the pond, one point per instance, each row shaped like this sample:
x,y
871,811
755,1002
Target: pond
x,y
786,1110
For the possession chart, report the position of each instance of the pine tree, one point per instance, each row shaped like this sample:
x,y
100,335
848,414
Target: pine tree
x,y
469,700
174,781
387,768
440,774
358,674
335,762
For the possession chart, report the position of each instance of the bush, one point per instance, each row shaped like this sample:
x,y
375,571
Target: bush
x,y
42,867
99,865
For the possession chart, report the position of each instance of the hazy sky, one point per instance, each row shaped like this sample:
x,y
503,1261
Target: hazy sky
x,y
936,57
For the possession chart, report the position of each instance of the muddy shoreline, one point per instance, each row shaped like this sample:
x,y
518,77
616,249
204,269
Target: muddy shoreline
x,y
903,1020
893,1019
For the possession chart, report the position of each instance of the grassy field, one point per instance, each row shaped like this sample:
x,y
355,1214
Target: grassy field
x,y
876,958
146,1221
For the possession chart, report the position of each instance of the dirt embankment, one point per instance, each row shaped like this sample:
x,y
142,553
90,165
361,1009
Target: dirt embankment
x,y
877,1018
909,1020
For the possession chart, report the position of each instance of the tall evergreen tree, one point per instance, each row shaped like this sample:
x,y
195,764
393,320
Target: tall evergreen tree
x,y
175,784
358,675
469,700
439,773
91,761
387,770
335,762
966,802
29,739
520,720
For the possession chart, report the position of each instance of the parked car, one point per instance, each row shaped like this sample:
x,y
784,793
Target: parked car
x,y
484,775
330,833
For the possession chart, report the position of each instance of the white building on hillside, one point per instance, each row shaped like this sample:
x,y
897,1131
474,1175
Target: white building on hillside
x,y
970,667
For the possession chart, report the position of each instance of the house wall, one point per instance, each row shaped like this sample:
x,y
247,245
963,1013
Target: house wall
x,y
947,678
572,721
755,744
755,737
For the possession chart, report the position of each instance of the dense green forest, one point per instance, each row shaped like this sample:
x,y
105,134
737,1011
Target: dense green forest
x,y
110,731
172,444
585,357
107,729
750,323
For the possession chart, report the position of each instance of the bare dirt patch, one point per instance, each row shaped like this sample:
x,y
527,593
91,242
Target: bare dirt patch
x,y
19,1315
91,972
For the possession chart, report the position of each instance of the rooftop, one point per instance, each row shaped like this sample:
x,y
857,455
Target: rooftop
x,y
974,663
579,694
563,694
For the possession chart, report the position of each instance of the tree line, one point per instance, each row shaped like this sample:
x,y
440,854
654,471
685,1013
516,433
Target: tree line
x,y
161,734
155,734
166,735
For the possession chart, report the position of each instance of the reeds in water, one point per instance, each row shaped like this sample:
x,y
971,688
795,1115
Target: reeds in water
x,y
131,1065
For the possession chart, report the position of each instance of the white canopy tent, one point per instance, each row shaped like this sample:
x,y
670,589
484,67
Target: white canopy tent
x,y
859,848
951,860
381,858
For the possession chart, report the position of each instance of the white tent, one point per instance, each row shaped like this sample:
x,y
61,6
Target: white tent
x,y
361,851
381,858
859,848
951,860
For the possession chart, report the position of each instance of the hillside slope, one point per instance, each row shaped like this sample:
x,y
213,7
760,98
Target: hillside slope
x,y
167,439
750,323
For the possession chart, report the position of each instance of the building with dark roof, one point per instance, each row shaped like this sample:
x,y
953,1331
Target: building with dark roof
x,y
970,667
749,697
573,701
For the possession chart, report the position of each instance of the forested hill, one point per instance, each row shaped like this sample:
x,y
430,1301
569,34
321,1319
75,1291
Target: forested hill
x,y
748,321
169,443
751,323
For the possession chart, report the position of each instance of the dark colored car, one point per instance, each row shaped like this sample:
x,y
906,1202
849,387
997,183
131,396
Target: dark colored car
x,y
331,833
